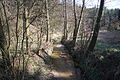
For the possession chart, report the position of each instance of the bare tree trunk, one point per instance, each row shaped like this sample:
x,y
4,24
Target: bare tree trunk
x,y
47,20
74,37
16,32
109,19
96,29
77,22
8,28
5,54
39,38
5,44
24,35
27,32
65,19
119,17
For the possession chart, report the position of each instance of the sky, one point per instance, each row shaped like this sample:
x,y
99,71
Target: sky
x,y
110,4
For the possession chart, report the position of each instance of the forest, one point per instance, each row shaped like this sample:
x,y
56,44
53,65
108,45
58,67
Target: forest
x,y
59,40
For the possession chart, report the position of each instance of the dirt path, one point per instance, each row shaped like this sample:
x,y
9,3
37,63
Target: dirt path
x,y
63,66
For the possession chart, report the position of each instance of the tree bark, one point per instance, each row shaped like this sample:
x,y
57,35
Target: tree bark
x,y
77,22
5,53
8,28
47,20
24,35
96,29
119,17
16,32
65,19
109,19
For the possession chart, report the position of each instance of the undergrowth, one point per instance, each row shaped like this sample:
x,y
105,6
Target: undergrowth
x,y
102,64
107,46
94,68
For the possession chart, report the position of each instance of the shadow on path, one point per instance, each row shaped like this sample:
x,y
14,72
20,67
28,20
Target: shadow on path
x,y
63,66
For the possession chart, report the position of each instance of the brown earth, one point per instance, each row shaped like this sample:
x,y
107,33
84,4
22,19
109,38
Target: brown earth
x,y
63,66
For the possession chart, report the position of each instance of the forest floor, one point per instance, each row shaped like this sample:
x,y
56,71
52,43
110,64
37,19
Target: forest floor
x,y
111,36
108,40
63,66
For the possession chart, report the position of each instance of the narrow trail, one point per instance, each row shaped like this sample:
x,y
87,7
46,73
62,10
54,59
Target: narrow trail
x,y
63,66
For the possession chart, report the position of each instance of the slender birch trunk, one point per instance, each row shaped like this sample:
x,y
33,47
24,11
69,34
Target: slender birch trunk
x,y
47,20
